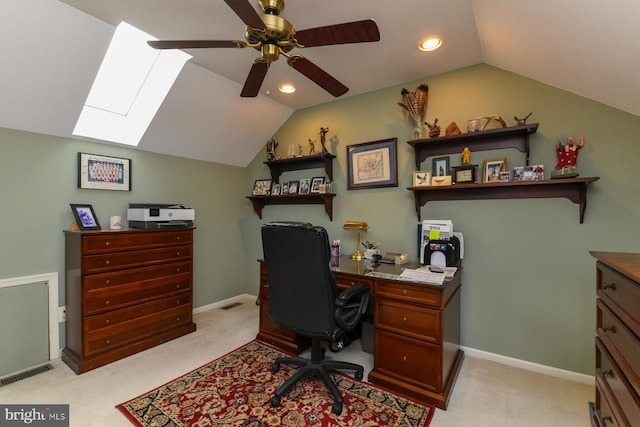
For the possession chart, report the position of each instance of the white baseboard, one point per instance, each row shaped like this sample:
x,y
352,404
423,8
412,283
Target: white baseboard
x,y
225,302
530,366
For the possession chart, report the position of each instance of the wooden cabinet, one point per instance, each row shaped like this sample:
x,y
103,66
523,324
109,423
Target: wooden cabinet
x,y
511,137
416,330
617,339
126,291
277,167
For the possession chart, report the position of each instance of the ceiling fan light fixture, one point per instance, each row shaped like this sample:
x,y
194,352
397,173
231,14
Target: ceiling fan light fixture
x,y
287,88
430,43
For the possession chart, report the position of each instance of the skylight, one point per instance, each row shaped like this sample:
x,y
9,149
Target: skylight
x,y
129,88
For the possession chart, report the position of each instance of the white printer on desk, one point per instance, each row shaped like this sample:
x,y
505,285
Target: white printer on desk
x,y
158,215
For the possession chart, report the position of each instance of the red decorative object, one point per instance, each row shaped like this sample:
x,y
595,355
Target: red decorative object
x,y
234,390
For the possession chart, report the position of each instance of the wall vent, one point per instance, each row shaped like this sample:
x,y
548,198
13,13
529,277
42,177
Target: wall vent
x,y
24,374
230,306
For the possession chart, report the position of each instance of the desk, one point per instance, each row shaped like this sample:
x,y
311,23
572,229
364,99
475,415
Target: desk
x,y
416,329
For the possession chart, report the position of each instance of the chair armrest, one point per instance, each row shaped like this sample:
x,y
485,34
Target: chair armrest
x,y
348,294
351,304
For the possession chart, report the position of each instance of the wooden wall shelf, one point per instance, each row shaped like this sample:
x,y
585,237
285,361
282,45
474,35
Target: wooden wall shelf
x,y
492,139
574,189
259,202
325,161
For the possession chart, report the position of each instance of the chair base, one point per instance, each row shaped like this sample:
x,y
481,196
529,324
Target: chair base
x,y
318,367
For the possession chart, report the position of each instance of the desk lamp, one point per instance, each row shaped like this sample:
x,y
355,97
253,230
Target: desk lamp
x,y
356,226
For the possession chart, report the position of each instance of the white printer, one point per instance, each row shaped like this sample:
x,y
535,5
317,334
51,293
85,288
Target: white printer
x,y
159,215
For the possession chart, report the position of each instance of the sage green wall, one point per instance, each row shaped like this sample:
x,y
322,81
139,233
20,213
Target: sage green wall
x,y
38,180
529,281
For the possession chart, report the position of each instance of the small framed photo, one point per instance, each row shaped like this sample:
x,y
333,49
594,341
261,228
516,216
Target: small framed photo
x,y
305,185
421,178
441,166
97,172
505,176
275,190
293,187
262,187
316,183
85,217
441,180
492,169
285,189
528,173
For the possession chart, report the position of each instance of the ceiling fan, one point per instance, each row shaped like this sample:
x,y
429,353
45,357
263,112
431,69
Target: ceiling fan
x,y
274,36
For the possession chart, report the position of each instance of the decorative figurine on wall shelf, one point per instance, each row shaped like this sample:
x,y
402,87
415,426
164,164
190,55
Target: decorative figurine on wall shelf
x,y
452,129
434,129
312,147
271,149
300,150
466,156
323,139
522,121
491,118
416,104
567,154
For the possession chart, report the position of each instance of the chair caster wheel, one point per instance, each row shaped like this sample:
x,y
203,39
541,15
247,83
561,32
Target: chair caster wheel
x,y
275,367
275,401
336,408
359,375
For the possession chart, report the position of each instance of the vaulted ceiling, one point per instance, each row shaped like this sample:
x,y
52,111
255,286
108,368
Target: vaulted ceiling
x,y
53,49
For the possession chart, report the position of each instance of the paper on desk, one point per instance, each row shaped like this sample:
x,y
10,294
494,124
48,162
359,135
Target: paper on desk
x,y
449,272
422,276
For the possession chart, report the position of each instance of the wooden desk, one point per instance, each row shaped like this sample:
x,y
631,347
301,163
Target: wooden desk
x,y
416,330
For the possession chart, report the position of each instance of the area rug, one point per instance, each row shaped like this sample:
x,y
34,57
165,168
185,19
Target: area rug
x,y
234,390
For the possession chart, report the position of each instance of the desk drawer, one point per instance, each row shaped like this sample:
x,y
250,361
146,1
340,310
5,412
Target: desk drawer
x,y
623,344
409,360
345,281
621,294
120,260
409,292
408,319
121,327
114,242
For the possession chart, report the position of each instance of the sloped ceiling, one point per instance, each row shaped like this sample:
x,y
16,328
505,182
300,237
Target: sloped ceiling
x,y
52,50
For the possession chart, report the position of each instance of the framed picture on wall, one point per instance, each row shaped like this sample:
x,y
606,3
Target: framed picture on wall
x,y
372,164
96,172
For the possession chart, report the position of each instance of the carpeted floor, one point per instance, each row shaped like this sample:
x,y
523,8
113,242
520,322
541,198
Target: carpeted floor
x,y
234,390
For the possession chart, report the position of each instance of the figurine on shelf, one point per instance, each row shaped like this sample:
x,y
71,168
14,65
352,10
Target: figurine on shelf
x,y
312,147
416,104
522,121
466,156
434,129
271,149
567,154
300,150
323,139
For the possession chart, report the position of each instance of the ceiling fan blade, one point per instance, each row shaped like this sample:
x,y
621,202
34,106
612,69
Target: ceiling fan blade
x,y
247,13
194,44
350,32
317,75
254,80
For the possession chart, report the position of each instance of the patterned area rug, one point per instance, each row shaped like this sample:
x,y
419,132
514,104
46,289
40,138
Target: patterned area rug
x,y
234,390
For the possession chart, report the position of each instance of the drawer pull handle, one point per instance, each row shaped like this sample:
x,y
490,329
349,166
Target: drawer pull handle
x,y
107,342
108,262
107,302
178,269
608,373
405,292
178,302
607,418
177,237
404,359
404,319
611,286
177,319
107,282
606,329
107,321
107,244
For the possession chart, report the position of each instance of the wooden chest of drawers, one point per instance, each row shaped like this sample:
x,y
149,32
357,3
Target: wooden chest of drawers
x,y
126,291
618,340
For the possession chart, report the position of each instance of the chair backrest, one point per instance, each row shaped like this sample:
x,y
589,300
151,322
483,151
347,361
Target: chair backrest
x,y
302,289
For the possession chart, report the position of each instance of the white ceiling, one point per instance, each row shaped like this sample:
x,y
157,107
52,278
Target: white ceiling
x,y
52,50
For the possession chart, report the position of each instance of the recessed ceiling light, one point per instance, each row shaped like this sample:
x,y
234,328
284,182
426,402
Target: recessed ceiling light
x,y
430,43
287,89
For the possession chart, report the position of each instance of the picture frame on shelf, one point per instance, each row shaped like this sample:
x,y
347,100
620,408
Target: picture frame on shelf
x,y
262,187
528,173
86,218
284,191
315,184
97,172
372,164
305,185
275,190
492,168
293,187
440,166
422,178
437,181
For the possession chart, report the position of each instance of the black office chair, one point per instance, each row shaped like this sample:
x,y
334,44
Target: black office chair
x,y
304,298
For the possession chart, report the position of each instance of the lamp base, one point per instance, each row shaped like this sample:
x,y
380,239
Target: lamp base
x,y
357,256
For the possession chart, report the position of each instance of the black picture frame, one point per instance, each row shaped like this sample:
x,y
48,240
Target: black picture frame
x,y
372,164
97,172
86,218
440,166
